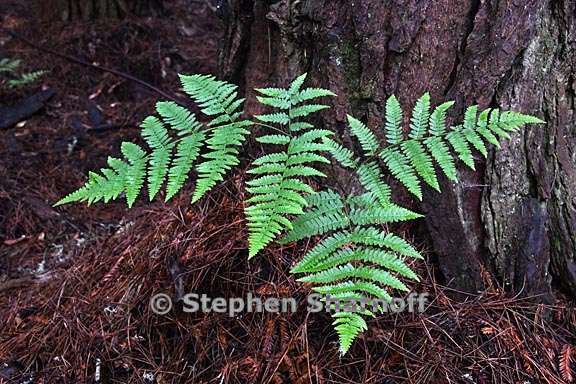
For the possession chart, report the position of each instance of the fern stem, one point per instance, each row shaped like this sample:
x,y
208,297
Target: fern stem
x,y
270,127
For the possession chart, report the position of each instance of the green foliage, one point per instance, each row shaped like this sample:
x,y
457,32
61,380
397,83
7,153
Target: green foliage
x,y
123,176
227,131
412,159
11,78
279,185
175,139
356,256
356,259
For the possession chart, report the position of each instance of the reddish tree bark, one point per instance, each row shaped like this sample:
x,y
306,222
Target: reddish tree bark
x,y
513,221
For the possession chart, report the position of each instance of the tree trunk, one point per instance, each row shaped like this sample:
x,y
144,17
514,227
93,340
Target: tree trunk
x,y
71,10
513,221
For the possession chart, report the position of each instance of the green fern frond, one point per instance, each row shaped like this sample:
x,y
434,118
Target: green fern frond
x,y
482,128
306,110
348,325
473,138
276,102
441,154
470,117
312,93
495,126
123,177
460,146
421,162
353,261
25,79
12,77
173,151
136,173
356,257
227,132
513,121
279,190
191,138
400,168
358,260
411,160
371,179
9,65
274,92
393,126
296,84
157,138
343,155
274,118
381,215
438,119
325,214
300,125
187,152
178,117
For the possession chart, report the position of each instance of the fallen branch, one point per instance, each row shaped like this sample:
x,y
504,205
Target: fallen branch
x,y
27,107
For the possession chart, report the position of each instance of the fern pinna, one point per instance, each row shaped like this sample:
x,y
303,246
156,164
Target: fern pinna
x,y
174,151
357,258
278,187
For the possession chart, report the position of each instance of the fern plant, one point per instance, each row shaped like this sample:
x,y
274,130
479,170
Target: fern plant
x,y
175,139
278,187
357,258
11,78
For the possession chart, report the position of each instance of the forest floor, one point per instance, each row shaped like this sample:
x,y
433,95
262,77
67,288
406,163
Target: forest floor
x,y
75,282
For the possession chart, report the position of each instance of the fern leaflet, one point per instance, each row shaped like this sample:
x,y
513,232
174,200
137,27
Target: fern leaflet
x,y
227,131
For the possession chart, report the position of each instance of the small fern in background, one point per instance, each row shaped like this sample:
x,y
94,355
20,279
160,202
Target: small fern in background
x,y
279,186
10,77
358,258
175,139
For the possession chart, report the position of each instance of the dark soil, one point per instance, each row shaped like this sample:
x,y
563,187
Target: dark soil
x,y
75,282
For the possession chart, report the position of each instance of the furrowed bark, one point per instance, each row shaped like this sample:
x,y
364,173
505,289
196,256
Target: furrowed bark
x,y
513,221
